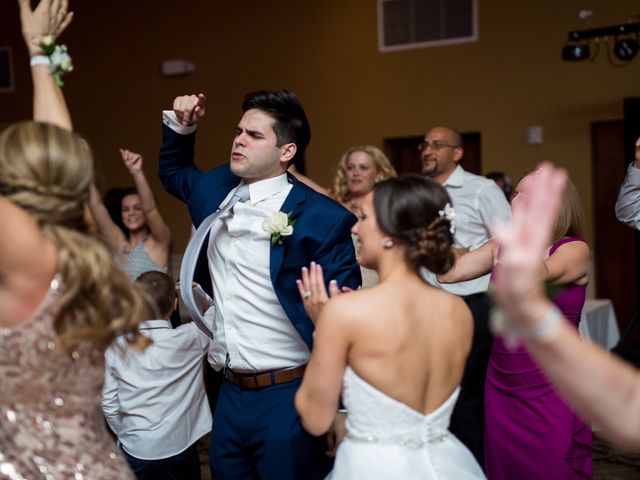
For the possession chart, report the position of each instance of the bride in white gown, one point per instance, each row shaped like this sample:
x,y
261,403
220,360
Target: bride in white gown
x,y
396,351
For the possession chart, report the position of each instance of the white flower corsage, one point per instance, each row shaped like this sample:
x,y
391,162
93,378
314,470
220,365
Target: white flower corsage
x,y
279,226
59,58
450,214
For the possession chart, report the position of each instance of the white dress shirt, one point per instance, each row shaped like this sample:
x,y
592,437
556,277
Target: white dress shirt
x,y
479,204
154,400
250,325
628,203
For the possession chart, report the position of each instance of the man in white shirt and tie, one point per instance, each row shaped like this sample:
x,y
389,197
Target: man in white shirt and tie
x,y
261,334
478,204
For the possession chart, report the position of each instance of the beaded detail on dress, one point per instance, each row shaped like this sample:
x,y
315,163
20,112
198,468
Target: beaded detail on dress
x,y
51,425
388,439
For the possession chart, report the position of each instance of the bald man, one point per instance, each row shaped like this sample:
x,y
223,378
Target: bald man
x,y
478,203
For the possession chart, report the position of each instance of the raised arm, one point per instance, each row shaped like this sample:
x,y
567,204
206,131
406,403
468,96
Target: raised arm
x,y
49,18
602,388
158,228
177,170
110,232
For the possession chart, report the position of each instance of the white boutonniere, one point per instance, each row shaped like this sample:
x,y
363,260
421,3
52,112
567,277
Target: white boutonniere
x,y
279,226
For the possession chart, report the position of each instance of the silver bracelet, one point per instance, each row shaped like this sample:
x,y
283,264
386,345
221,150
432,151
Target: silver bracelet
x,y
549,322
40,60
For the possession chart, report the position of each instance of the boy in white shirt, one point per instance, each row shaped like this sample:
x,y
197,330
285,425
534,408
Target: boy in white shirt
x,y
155,400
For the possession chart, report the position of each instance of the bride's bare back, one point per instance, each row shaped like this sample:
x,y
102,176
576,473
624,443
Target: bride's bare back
x,y
408,340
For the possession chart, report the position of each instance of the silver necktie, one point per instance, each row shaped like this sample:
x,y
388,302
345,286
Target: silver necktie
x,y
192,252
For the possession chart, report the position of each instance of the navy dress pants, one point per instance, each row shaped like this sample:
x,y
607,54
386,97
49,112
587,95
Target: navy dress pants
x,y
257,434
183,466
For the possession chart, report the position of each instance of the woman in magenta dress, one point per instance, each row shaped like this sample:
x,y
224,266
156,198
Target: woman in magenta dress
x,y
530,431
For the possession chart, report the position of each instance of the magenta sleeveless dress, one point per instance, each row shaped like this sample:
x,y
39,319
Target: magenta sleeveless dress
x,y
531,433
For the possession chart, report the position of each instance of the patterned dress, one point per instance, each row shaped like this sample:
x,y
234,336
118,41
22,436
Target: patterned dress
x,y
51,425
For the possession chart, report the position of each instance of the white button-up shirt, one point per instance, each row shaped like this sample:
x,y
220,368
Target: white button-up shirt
x,y
479,204
628,203
250,325
154,400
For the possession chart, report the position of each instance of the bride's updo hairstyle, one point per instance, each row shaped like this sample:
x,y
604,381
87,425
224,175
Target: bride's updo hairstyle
x,y
408,209
46,171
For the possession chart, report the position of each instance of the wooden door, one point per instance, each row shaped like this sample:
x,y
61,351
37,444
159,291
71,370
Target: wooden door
x,y
614,246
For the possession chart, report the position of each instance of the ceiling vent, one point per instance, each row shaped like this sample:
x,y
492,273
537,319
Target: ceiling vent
x,y
405,24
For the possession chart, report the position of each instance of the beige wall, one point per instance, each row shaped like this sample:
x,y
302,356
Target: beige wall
x,y
326,51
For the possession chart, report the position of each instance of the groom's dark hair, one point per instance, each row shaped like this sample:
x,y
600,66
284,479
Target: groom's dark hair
x,y
291,124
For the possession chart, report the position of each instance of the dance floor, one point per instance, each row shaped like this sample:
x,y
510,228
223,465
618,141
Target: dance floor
x,y
609,462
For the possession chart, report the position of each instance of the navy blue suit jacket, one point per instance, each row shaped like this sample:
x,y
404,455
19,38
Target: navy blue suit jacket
x,y
321,232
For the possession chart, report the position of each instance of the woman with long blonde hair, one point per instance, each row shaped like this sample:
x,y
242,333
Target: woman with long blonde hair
x,y
62,299
359,169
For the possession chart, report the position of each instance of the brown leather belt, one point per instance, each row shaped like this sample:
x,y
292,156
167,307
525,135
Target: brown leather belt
x,y
264,379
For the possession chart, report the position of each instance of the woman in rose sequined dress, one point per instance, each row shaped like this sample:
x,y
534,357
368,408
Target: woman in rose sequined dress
x,y
62,299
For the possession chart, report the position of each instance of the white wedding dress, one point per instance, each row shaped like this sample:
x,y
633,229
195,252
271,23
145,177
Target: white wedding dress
x,y
387,439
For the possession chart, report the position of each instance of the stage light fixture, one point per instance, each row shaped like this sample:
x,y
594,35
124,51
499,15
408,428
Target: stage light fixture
x,y
576,52
625,49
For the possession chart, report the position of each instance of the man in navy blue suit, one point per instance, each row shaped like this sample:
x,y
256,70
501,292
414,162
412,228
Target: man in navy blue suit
x,y
261,334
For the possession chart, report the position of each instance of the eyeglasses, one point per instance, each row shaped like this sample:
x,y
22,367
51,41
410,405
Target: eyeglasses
x,y
436,145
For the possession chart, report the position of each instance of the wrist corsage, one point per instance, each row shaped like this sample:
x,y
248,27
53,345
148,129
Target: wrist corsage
x,y
59,58
279,226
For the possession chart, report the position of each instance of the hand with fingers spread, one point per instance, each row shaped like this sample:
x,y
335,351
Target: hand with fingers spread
x,y
313,291
50,17
524,242
190,109
132,160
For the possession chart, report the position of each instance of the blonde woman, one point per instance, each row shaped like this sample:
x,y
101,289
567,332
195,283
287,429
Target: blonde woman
x,y
359,169
62,299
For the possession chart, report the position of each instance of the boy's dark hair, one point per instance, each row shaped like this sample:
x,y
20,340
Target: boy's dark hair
x,y
159,290
291,124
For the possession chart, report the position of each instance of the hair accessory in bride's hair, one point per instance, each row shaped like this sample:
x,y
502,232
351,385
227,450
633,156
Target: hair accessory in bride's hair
x,y
449,213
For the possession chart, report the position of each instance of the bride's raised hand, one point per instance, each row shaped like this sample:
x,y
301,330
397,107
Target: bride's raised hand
x,y
313,291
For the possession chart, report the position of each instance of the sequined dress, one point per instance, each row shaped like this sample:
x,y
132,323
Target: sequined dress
x,y
51,426
387,439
